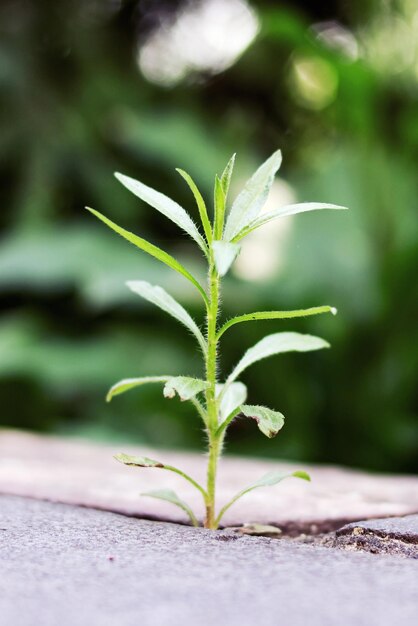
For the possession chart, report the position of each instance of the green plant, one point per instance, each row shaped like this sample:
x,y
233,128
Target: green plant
x,y
216,404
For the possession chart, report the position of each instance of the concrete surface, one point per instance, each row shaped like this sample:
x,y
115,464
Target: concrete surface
x,y
396,535
67,566
80,472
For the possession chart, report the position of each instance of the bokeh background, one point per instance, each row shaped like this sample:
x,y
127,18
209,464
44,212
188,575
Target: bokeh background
x,y
88,87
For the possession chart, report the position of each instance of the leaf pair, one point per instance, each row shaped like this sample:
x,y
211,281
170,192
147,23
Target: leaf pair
x,y
268,480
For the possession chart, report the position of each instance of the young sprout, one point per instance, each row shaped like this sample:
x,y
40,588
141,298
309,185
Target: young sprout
x,y
217,404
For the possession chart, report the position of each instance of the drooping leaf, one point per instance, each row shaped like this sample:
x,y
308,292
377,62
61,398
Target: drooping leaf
x,y
285,211
250,201
158,296
200,204
234,396
268,480
154,251
143,461
168,495
224,254
226,175
129,383
268,421
219,197
275,315
185,387
164,205
137,461
276,344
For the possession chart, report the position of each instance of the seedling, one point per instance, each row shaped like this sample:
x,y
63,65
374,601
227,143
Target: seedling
x,y
217,404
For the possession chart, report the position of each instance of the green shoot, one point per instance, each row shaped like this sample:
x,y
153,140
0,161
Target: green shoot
x,y
217,404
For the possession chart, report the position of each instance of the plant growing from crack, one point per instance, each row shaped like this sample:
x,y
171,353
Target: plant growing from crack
x,y
217,404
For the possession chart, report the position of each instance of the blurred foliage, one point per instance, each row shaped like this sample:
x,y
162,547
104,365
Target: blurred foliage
x,y
316,82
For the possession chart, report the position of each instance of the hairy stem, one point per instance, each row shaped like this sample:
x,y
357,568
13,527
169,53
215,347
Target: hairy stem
x,y
211,401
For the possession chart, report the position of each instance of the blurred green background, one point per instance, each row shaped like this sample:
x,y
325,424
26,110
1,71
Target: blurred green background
x,y
88,87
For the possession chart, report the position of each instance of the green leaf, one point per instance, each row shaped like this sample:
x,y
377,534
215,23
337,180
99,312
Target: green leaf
x,y
170,496
137,461
285,211
274,477
129,383
143,461
277,344
275,315
268,421
303,475
250,201
224,254
164,205
200,204
154,251
231,401
158,296
226,175
219,209
185,387
268,480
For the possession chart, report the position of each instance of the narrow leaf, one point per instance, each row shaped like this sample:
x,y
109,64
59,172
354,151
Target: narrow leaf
x,y
170,496
158,296
275,476
268,421
185,387
137,461
250,201
234,396
219,209
285,211
129,383
154,251
200,204
164,205
226,175
268,480
143,461
276,344
275,315
224,254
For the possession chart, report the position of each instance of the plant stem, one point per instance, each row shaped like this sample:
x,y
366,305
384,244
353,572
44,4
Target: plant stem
x,y
211,401
211,482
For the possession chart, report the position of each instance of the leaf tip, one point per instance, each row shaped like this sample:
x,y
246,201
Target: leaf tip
x,y
303,475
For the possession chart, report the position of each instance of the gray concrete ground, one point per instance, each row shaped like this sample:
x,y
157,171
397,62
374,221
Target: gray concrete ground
x,y
67,566
395,535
